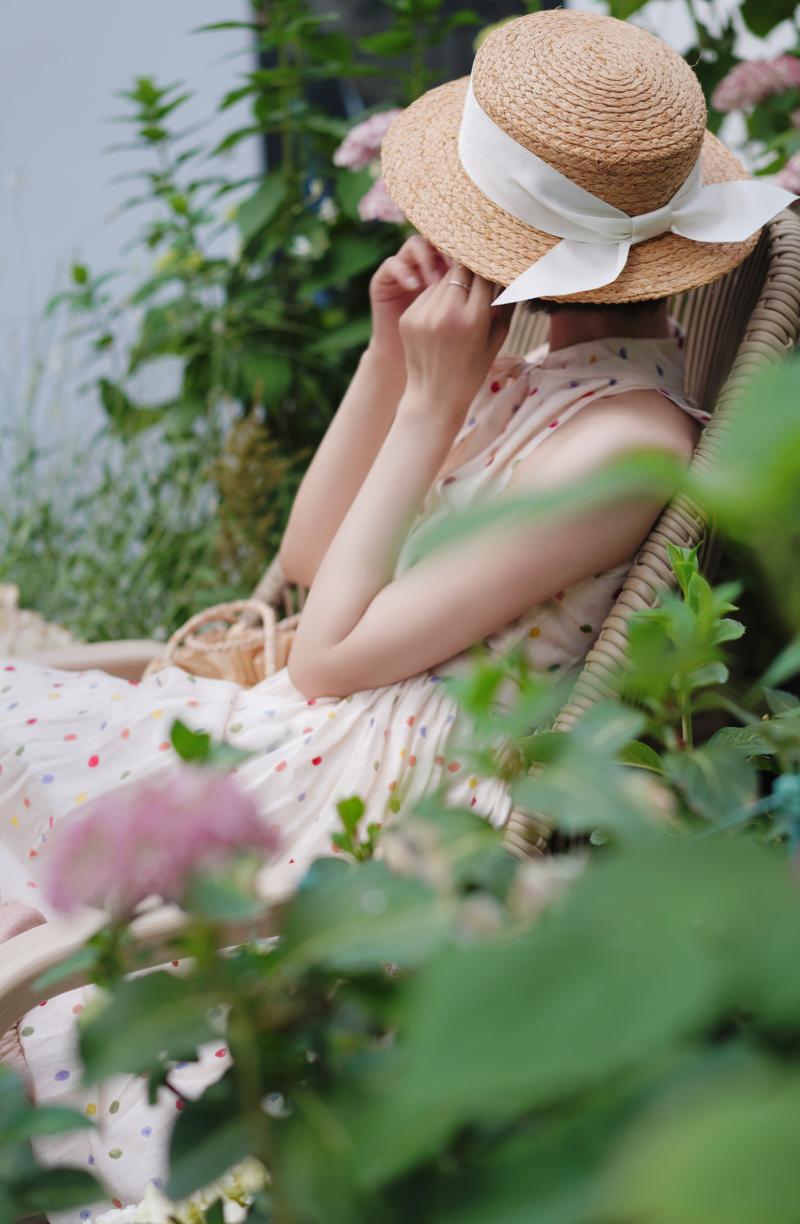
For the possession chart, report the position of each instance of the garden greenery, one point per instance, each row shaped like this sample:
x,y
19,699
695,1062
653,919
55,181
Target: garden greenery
x,y
442,1033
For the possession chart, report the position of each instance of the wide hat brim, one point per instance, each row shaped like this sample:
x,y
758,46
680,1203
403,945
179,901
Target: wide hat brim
x,y
426,180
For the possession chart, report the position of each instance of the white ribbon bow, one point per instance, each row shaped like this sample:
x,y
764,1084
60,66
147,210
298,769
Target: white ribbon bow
x,y
597,237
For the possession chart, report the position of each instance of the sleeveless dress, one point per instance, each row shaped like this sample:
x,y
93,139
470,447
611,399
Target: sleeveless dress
x,y
66,738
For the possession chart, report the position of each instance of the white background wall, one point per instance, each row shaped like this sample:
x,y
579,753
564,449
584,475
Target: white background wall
x,y
61,63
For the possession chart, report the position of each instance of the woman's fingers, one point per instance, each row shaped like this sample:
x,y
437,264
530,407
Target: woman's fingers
x,y
426,258
482,292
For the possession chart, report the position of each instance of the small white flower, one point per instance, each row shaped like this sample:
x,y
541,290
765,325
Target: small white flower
x,y
328,211
300,246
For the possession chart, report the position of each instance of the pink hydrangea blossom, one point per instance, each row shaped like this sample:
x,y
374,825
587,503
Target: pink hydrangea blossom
x,y
789,176
362,143
377,205
752,81
151,840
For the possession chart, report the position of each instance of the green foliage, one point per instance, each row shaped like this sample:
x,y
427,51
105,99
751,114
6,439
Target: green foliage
x,y
441,1033
129,553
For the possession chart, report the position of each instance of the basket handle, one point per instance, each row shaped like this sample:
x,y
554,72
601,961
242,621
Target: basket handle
x,y
227,612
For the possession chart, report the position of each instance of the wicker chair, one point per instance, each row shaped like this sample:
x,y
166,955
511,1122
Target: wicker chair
x,y
735,326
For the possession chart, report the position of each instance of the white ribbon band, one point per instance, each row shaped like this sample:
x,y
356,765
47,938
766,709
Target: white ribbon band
x,y
597,236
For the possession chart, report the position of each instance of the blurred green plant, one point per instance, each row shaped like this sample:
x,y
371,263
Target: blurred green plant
x,y
443,1033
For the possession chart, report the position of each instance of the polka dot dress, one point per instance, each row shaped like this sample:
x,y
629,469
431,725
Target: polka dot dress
x,y
66,738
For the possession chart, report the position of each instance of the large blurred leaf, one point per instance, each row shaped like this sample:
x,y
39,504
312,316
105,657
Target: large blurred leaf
x,y
145,1018
650,946
56,1190
542,1174
724,1151
646,472
359,916
210,1136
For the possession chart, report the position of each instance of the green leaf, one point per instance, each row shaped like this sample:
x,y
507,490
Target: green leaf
x,y
146,1018
57,1190
351,917
210,1136
641,755
342,339
623,9
584,787
80,274
125,417
715,780
646,951
751,741
708,674
347,257
719,1151
351,185
261,208
728,630
350,812
780,702
190,745
783,666
645,471
538,1174
267,377
48,1120
13,1098
390,42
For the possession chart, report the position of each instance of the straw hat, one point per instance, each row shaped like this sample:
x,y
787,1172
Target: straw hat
x,y
611,107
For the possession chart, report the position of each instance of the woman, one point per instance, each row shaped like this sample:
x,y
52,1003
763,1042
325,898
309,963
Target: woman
x,y
572,169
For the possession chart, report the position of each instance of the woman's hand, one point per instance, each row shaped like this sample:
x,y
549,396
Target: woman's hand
x,y
451,335
399,280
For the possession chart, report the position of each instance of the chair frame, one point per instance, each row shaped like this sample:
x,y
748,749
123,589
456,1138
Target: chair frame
x,y
735,326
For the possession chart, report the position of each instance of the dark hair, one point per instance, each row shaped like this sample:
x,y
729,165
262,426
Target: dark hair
x,y
614,309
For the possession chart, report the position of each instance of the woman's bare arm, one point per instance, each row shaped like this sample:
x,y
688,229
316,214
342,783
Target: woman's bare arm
x,y
364,417
361,627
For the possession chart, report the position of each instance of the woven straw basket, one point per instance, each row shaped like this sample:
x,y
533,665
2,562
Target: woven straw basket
x,y
241,641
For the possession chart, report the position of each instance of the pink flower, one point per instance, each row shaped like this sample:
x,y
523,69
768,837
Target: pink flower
x,y
151,840
752,81
377,205
789,176
362,143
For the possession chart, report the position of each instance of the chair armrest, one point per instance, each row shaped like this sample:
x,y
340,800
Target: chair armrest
x,y
26,957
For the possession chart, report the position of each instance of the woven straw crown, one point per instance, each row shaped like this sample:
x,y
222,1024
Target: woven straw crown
x,y
605,103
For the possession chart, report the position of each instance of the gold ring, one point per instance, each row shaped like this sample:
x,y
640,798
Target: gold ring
x,y
460,284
